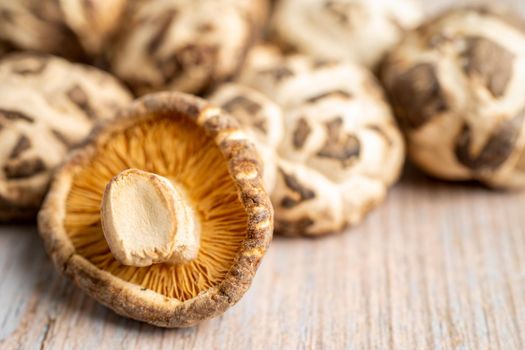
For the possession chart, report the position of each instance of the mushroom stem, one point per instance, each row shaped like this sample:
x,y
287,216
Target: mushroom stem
x,y
148,219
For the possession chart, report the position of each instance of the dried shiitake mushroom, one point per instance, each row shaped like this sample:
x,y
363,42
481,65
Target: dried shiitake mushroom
x,y
62,27
340,149
48,105
356,30
162,216
185,45
457,87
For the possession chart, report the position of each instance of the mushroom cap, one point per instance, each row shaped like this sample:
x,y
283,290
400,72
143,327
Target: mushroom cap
x,y
456,85
61,27
48,106
355,30
339,150
184,45
93,21
181,137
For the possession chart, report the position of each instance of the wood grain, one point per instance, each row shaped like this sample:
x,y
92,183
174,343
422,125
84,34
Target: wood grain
x,y
438,266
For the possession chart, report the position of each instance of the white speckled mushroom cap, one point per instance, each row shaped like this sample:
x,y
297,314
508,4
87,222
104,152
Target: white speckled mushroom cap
x,y
356,30
340,149
48,105
61,27
457,85
185,45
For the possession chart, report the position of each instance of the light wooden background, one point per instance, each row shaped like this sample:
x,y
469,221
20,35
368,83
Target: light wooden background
x,y
438,266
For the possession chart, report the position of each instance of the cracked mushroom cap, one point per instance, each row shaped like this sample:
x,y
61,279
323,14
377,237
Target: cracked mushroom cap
x,y
457,85
185,45
340,149
185,141
360,31
62,27
48,106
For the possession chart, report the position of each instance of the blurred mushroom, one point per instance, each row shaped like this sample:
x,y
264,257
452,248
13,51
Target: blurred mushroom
x,y
456,85
4,49
185,45
360,31
68,28
93,21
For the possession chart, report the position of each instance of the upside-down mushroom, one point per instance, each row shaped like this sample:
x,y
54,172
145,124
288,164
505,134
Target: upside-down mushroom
x,y
457,86
162,216
48,106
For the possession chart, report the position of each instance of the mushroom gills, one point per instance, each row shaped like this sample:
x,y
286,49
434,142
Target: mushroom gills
x,y
179,151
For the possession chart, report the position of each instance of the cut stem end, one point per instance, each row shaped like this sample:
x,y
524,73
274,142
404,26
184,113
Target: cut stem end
x,y
149,219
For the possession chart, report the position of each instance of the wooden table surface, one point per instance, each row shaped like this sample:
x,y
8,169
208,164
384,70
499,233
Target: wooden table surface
x,y
438,266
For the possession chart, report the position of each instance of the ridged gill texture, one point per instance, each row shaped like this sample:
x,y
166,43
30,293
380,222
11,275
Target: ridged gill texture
x,y
181,151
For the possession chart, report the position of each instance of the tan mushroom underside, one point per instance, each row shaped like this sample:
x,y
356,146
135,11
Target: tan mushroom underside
x,y
177,150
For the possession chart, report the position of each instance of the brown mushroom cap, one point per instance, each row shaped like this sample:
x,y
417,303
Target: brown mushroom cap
x,y
48,106
456,85
180,137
